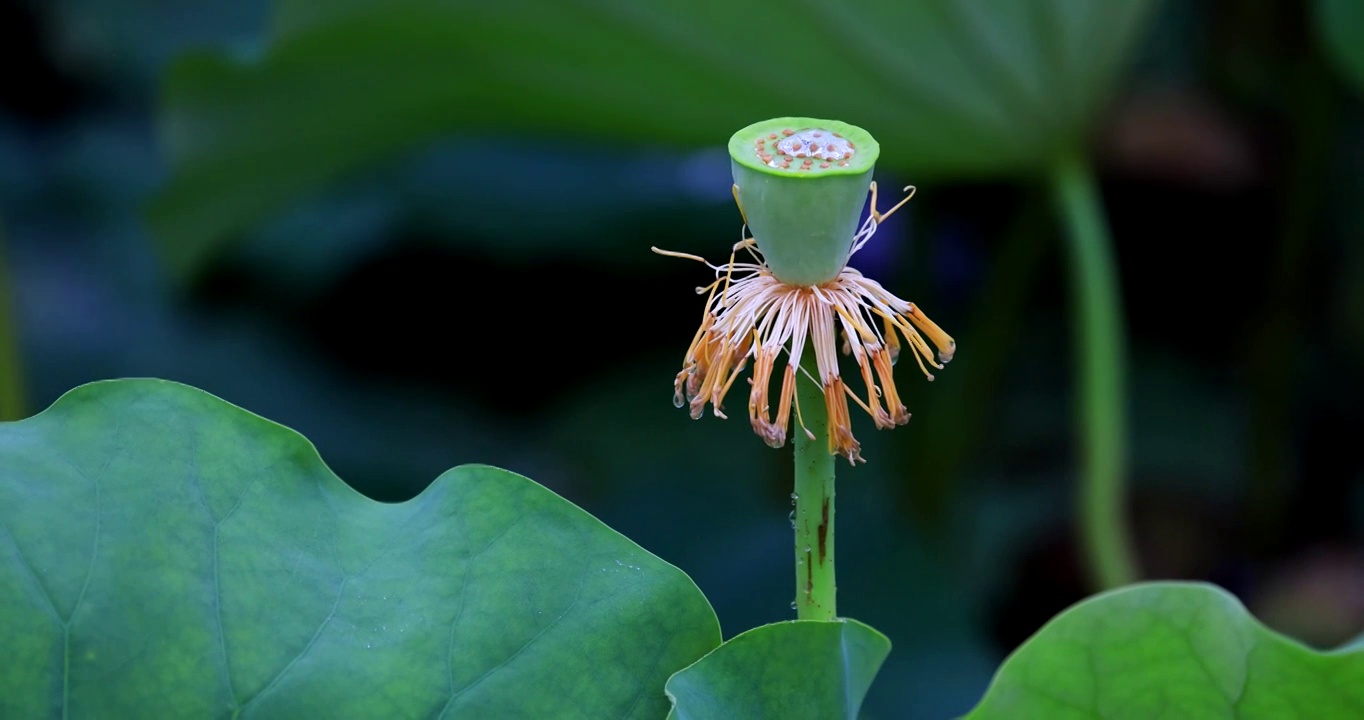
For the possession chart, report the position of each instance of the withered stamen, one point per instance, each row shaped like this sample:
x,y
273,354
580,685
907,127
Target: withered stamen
x,y
749,313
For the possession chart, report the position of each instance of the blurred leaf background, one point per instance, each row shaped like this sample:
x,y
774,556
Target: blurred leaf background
x,y
418,233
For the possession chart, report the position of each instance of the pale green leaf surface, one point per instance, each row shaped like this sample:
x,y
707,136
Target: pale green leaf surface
x,y
166,554
798,670
949,88
1170,650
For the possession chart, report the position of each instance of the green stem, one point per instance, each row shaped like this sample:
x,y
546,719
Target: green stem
x,y
1099,350
814,496
11,374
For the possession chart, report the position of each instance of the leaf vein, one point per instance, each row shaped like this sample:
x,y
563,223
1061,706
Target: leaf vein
x,y
577,596
336,605
37,581
197,481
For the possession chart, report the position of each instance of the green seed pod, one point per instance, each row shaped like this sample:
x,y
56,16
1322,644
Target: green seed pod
x,y
801,184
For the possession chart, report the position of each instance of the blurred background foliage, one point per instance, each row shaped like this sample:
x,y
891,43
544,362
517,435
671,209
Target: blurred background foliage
x,y
418,233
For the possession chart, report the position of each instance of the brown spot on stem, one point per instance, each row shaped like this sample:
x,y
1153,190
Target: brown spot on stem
x,y
824,532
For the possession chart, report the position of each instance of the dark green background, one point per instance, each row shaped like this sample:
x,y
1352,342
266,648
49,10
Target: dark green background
x,y
430,310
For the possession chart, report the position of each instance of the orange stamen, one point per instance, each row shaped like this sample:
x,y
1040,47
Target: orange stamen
x,y
947,347
841,440
751,318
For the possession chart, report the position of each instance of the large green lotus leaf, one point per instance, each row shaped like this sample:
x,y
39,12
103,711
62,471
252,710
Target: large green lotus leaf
x,y
1341,26
1175,650
949,87
166,554
791,670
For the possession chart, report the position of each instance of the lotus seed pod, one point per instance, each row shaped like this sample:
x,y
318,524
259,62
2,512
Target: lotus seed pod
x,y
801,184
